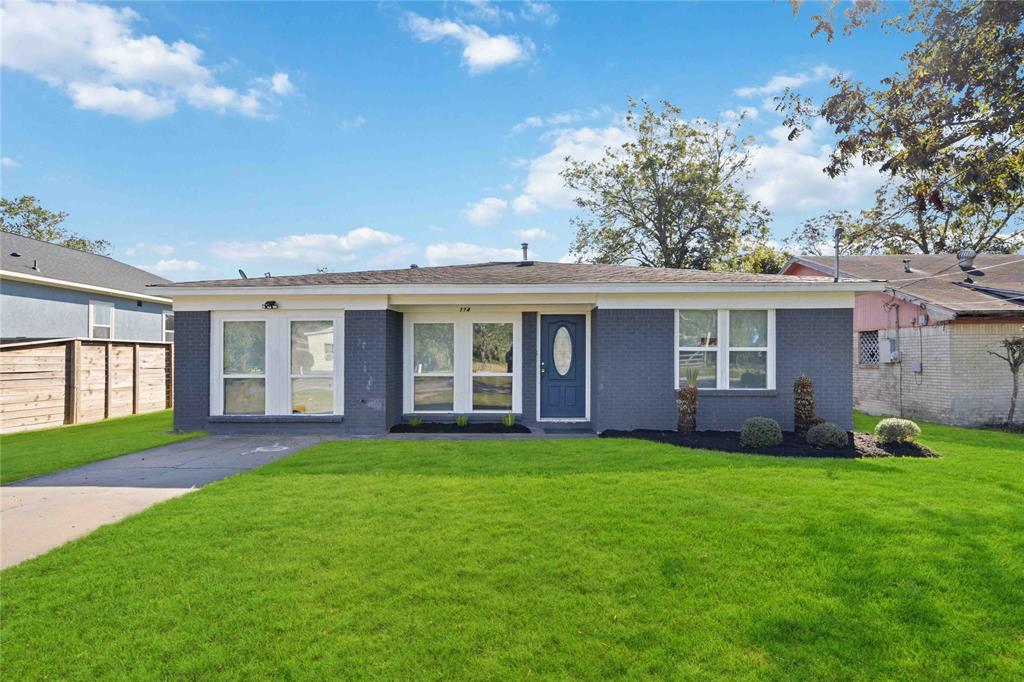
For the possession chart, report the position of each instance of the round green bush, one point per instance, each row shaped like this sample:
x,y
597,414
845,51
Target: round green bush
x,y
894,430
827,435
760,432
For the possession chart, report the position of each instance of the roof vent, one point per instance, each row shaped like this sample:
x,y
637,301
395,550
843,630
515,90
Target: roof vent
x,y
526,255
15,254
906,265
413,266
241,273
35,265
966,258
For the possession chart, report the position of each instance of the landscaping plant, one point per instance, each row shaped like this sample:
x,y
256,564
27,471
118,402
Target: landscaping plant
x,y
1015,359
415,421
827,435
803,404
761,432
686,404
508,420
893,430
462,420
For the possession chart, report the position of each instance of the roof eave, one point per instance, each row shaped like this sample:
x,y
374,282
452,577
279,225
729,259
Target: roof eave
x,y
78,286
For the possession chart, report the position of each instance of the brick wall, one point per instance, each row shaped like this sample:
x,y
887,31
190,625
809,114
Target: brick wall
x,y
191,370
366,371
958,381
393,368
529,368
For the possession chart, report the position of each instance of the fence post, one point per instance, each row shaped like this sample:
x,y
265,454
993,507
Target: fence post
x,y
135,379
72,353
108,402
169,375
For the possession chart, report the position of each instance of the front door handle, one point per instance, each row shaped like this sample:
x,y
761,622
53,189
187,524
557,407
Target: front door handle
x,y
542,368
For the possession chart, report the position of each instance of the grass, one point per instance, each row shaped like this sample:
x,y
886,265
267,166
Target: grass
x,y
32,453
554,559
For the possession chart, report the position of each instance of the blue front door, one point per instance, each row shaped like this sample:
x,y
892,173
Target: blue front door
x,y
563,366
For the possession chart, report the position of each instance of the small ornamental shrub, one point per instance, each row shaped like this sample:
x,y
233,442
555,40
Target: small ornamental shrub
x,y
894,430
815,420
508,420
803,403
760,432
827,435
686,404
415,421
462,420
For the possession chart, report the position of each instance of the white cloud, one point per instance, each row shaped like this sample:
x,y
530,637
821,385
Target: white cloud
x,y
780,82
539,11
92,52
787,176
8,162
483,10
487,211
307,248
561,119
733,116
534,233
144,248
175,266
544,187
451,253
353,123
481,51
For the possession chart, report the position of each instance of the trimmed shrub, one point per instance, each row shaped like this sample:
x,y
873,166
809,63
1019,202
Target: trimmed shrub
x,y
415,421
803,403
827,435
462,420
508,420
895,430
760,432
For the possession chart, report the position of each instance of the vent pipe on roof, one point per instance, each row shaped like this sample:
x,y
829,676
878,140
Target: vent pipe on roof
x,y
413,266
906,265
35,265
526,251
966,257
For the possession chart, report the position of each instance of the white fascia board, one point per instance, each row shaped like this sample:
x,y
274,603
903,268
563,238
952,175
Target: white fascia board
x,y
730,300
798,285
285,301
78,286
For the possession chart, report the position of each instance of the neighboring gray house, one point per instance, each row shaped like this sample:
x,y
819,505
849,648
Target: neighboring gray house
x,y
560,345
51,292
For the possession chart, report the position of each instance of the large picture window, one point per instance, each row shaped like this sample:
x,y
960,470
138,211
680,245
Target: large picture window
x,y
312,366
492,366
245,367
433,367
726,349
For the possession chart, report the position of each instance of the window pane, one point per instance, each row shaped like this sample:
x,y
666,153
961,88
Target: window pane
x,y
169,337
748,328
492,393
169,322
492,347
244,396
312,396
244,347
312,347
748,369
434,394
101,313
433,347
698,327
101,332
703,363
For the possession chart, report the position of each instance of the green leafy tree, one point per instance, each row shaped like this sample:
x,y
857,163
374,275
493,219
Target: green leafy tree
x,y
672,197
24,216
1014,357
760,258
954,114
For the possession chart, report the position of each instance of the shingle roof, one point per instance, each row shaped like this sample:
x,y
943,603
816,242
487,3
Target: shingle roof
x,y
71,265
513,272
937,279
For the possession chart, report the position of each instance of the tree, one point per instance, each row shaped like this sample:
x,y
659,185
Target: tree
x,y
672,197
24,216
898,223
1015,359
761,258
950,126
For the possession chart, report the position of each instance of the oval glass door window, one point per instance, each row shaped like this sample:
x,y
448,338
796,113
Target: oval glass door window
x,y
561,351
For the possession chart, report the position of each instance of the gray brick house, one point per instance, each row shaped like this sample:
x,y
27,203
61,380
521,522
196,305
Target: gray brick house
x,y
591,346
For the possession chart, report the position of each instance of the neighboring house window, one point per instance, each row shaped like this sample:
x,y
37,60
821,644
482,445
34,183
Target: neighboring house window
x,y
245,367
726,349
433,366
101,320
492,366
868,347
312,367
169,327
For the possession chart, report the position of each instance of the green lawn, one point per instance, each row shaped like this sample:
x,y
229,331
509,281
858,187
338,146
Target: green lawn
x,y
31,453
548,559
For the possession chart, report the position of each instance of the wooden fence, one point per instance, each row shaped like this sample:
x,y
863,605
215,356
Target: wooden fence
x,y
73,381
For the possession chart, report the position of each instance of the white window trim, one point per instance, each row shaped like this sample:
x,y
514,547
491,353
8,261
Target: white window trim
x,y
167,313
277,370
92,317
722,365
463,368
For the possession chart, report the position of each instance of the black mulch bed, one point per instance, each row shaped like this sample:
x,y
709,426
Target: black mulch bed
x,y
861,444
450,427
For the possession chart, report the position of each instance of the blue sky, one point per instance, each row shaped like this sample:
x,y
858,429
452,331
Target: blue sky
x,y
203,137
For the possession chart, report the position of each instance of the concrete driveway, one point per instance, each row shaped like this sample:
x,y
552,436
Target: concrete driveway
x,y
40,513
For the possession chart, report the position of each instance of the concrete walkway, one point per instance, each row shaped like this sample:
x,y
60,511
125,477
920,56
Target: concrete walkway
x,y
41,513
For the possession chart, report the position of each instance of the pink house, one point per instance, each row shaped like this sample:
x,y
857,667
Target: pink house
x,y
921,346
